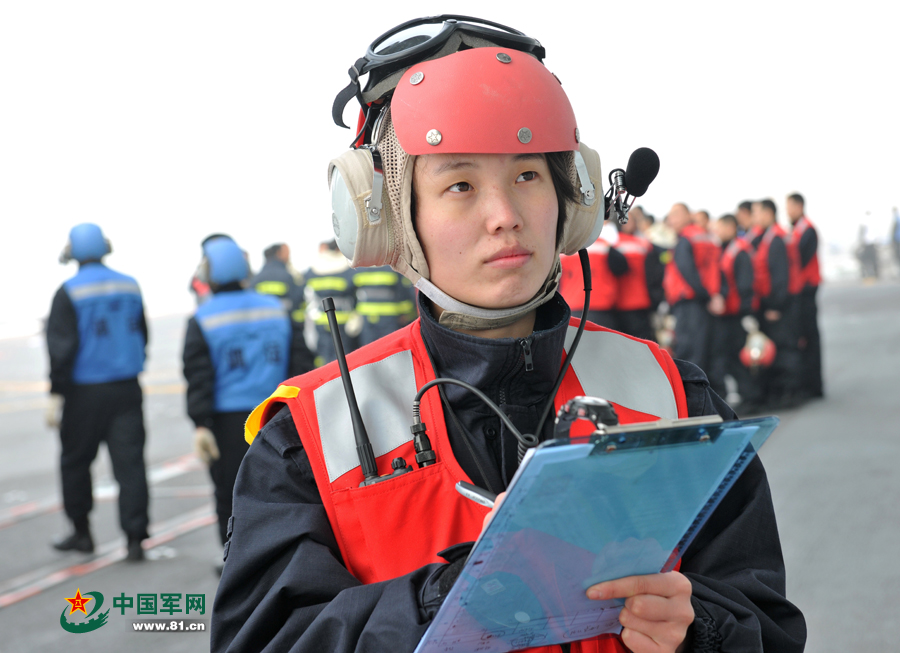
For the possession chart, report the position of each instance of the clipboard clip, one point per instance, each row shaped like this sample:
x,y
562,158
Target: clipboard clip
x,y
594,409
610,435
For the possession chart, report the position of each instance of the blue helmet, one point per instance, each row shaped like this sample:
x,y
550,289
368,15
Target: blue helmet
x,y
86,243
226,261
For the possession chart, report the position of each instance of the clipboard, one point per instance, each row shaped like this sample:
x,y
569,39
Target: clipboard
x,y
583,510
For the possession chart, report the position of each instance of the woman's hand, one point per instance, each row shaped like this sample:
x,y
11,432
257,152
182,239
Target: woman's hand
x,y
657,610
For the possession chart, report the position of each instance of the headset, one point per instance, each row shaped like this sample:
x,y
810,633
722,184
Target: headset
x,y
371,185
86,243
223,262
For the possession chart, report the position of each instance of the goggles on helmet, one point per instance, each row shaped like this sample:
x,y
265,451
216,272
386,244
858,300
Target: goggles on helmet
x,y
418,40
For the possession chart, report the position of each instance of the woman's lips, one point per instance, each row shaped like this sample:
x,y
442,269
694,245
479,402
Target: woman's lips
x,y
510,257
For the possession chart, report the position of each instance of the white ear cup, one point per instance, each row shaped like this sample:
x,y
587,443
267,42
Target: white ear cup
x,y
585,222
363,235
344,219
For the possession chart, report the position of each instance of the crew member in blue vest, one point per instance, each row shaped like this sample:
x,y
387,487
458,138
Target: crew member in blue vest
x,y
96,338
385,300
237,349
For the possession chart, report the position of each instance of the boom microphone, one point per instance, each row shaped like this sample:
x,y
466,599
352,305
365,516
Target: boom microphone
x,y
625,185
643,166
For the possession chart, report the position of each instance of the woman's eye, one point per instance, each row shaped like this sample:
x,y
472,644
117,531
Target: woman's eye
x,y
527,176
461,187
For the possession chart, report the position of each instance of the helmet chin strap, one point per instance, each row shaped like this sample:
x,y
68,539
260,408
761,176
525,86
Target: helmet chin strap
x,y
458,315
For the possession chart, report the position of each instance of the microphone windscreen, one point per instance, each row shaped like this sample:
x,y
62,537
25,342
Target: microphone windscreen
x,y
643,166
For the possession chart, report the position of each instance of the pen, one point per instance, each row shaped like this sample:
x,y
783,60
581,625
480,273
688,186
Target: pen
x,y
476,494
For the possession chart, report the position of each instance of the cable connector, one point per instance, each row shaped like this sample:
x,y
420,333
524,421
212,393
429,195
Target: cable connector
x,y
424,453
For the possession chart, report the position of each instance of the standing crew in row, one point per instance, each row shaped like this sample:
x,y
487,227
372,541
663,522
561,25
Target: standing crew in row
x,y
607,265
693,285
728,334
772,273
238,347
97,338
640,289
804,243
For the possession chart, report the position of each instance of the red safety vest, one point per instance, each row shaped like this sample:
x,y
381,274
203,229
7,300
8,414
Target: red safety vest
x,y
733,300
604,284
706,258
392,528
808,275
633,293
751,234
762,280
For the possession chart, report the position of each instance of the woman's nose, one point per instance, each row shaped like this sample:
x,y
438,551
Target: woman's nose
x,y
501,210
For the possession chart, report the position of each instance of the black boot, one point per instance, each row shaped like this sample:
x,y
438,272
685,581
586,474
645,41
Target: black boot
x,y
135,550
77,541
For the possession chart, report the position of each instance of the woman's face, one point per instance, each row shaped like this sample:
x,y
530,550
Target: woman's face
x,y
487,224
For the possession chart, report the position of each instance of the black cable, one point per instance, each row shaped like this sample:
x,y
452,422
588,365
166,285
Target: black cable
x,y
467,438
526,440
586,273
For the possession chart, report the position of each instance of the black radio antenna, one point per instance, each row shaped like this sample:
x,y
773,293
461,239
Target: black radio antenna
x,y
363,445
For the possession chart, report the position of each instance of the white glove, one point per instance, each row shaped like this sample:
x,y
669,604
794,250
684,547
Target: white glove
x,y
53,416
205,445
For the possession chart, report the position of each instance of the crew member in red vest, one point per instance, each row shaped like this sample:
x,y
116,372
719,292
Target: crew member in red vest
x,y
744,216
772,287
607,266
805,244
317,562
640,289
728,336
693,286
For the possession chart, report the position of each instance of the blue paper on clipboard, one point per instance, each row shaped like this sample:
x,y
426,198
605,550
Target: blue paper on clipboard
x,y
583,510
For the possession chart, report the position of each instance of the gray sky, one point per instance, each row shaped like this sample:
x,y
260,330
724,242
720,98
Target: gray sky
x,y
166,121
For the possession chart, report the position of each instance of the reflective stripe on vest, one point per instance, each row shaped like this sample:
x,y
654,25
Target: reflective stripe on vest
x,y
239,316
104,288
320,284
633,294
279,288
384,308
340,316
379,278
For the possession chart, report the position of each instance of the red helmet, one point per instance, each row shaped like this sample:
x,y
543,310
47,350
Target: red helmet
x,y
516,106
759,351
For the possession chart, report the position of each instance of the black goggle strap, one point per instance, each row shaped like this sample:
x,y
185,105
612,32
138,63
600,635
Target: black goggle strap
x,y
350,91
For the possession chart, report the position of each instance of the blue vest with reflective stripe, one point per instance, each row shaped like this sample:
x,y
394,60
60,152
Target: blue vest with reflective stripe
x,y
249,340
108,307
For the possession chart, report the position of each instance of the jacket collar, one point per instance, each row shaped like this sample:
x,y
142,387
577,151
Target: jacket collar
x,y
497,366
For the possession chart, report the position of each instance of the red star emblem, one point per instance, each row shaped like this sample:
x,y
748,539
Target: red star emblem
x,y
78,602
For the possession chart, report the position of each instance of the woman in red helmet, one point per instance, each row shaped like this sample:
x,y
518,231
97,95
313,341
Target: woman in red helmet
x,y
468,177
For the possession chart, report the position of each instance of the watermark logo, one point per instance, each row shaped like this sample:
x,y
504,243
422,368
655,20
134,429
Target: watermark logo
x,y
77,604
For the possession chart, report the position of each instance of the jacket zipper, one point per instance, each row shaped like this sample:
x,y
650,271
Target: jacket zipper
x,y
525,343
